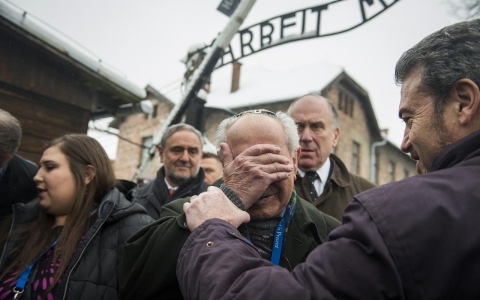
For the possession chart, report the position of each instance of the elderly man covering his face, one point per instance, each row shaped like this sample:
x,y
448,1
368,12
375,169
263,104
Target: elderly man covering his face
x,y
256,146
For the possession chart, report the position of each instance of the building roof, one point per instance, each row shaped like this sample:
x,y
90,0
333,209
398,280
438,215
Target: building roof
x,y
266,85
362,96
50,38
262,85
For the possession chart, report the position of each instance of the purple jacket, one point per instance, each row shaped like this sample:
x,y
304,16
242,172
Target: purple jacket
x,y
418,238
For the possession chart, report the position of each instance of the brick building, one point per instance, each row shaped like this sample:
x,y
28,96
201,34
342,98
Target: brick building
x,y
140,129
275,90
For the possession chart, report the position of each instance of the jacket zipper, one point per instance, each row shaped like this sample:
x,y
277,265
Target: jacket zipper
x,y
83,251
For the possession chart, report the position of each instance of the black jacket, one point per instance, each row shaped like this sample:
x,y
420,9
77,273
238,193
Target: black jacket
x,y
17,184
155,195
93,272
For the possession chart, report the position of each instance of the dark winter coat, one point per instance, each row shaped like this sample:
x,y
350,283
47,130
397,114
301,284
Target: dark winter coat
x,y
418,238
17,185
151,255
155,195
339,189
94,270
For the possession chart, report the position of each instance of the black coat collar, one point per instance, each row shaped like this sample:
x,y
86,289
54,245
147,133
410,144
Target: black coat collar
x,y
463,149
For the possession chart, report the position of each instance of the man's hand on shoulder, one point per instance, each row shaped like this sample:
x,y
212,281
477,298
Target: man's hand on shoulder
x,y
213,204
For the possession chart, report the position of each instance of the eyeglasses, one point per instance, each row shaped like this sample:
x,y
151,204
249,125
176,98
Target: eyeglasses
x,y
255,111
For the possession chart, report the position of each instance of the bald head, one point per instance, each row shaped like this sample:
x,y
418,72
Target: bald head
x,y
255,129
317,124
289,127
308,99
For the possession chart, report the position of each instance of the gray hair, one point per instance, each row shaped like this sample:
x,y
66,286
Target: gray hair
x,y
443,57
289,126
180,127
335,122
10,135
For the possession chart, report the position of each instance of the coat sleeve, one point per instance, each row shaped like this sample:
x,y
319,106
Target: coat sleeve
x,y
217,263
148,270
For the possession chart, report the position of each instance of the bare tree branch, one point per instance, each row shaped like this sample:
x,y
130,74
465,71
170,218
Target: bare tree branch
x,y
466,9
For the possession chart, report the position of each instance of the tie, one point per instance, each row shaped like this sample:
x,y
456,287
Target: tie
x,y
171,191
312,176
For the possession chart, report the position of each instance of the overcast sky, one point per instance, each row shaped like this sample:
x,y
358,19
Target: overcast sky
x,y
145,39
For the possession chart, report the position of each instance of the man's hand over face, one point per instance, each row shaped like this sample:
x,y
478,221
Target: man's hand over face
x,y
213,204
253,170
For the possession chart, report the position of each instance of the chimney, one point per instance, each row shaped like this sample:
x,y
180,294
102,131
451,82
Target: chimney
x,y
235,76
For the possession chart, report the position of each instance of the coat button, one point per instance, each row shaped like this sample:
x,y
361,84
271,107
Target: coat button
x,y
209,244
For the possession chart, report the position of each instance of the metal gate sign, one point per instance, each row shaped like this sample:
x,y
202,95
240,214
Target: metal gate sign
x,y
327,19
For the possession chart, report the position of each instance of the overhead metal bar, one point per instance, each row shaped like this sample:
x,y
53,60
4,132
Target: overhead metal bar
x,y
198,79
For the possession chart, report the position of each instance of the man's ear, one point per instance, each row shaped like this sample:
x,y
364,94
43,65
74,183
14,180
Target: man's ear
x,y
160,152
467,97
336,135
225,154
89,173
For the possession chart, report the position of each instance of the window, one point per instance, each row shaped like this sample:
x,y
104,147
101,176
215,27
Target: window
x,y
350,109
391,171
153,112
356,158
345,103
146,142
341,97
406,173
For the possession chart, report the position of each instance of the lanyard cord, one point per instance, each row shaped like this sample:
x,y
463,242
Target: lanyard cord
x,y
281,230
22,280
